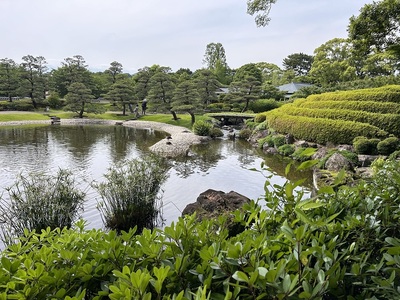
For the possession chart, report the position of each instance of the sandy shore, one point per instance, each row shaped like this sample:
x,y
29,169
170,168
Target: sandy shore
x,y
178,143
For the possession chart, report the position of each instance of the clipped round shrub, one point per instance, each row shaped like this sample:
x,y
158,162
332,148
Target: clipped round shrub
x,y
279,140
388,146
202,128
245,133
362,145
216,132
286,149
260,118
263,105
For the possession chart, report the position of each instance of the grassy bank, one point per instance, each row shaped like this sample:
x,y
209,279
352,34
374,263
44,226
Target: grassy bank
x,y
183,120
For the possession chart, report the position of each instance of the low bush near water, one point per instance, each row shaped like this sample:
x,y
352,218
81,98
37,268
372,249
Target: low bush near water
x,y
130,195
202,128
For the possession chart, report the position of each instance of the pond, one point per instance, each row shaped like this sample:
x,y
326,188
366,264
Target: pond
x,y
88,151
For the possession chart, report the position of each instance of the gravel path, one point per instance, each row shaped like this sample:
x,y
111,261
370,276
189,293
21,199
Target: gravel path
x,y
177,143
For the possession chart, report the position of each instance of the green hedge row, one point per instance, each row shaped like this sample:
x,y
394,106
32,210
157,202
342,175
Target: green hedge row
x,y
321,130
390,93
387,122
18,105
369,106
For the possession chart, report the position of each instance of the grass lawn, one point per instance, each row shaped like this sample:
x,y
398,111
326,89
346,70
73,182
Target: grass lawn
x,y
184,119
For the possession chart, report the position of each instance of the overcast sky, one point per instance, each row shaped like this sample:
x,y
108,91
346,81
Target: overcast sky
x,y
171,33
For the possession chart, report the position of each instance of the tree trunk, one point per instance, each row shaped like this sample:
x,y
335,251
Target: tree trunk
x,y
193,117
82,109
174,115
33,100
124,109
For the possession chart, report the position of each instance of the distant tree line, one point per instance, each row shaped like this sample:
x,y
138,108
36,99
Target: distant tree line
x,y
369,57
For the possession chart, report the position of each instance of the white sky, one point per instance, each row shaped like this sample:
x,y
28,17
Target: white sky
x,y
172,33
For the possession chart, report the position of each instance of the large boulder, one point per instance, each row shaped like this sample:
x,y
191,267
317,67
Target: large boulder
x,y
337,162
212,203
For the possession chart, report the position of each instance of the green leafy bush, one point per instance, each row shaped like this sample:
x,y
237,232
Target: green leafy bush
x,y
362,145
339,244
269,140
286,149
388,122
387,146
261,126
263,105
259,118
279,140
130,195
202,128
245,133
319,130
18,105
216,132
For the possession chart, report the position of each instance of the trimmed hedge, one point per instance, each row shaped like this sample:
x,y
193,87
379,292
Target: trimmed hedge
x,y
321,130
387,122
368,106
390,93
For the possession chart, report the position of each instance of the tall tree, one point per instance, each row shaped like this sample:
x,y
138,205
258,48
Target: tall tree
x,y
300,63
376,27
8,78
73,69
207,84
161,89
121,93
261,10
375,34
215,52
245,90
142,80
215,60
186,98
333,62
114,71
33,72
78,97
248,70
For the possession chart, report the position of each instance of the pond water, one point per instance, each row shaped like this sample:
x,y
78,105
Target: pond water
x,y
89,151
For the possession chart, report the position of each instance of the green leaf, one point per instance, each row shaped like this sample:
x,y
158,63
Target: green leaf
x,y
307,165
240,276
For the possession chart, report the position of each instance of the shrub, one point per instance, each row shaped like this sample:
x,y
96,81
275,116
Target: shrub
x,y
387,122
286,150
262,105
130,195
38,201
216,132
245,133
319,130
279,140
362,145
261,126
387,146
269,140
18,105
202,128
260,118
368,106
348,246
251,124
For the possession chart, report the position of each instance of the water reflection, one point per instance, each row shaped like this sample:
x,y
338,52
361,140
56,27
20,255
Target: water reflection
x,y
89,150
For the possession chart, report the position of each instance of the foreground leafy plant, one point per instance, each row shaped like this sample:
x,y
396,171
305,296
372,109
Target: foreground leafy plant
x,y
342,243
